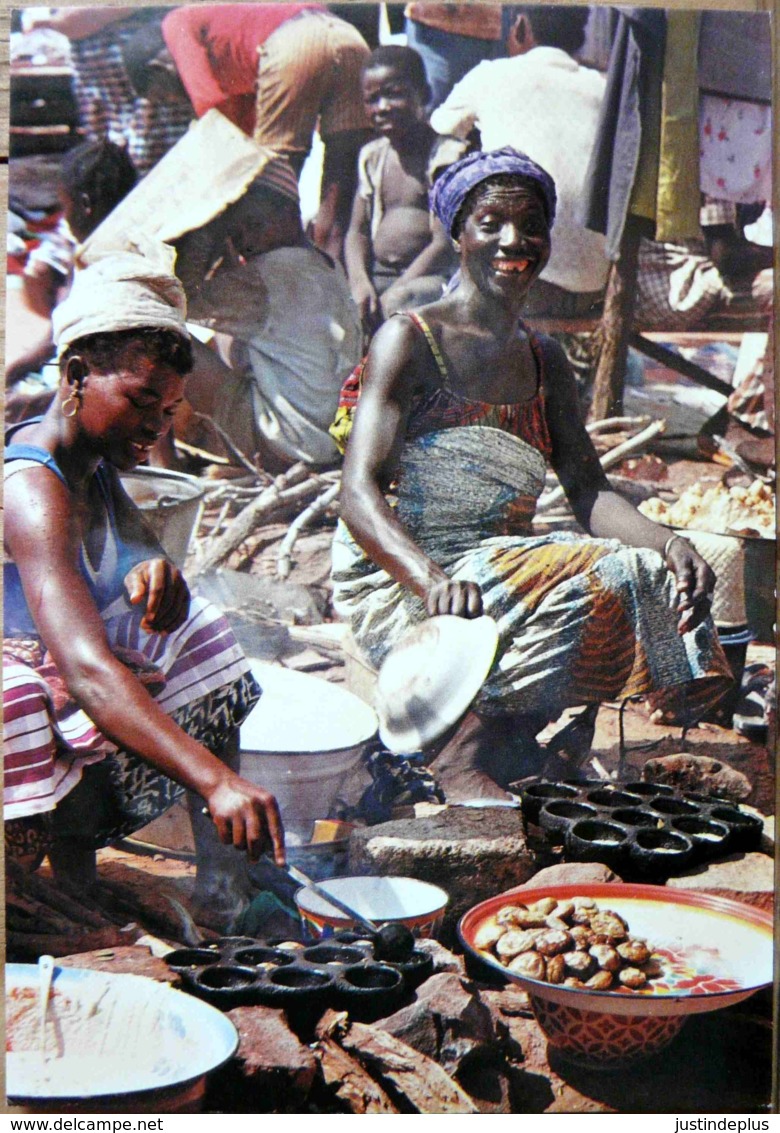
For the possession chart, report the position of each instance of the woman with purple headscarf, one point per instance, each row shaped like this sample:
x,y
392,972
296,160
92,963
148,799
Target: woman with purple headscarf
x,y
462,407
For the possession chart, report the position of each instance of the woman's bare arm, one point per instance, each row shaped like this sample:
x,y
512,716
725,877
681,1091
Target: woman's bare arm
x,y
597,507
397,354
41,536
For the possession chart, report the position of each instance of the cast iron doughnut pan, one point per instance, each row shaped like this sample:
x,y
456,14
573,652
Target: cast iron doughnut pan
x,y
339,972
644,831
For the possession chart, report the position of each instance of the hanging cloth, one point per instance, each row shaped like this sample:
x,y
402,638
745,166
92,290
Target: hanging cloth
x,y
678,198
622,175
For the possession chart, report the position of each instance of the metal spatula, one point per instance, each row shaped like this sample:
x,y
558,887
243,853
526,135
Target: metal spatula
x,y
334,902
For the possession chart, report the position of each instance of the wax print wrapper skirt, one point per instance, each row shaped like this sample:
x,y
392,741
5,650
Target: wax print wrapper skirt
x,y
580,620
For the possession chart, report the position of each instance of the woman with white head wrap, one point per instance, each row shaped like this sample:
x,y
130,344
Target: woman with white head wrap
x,y
120,689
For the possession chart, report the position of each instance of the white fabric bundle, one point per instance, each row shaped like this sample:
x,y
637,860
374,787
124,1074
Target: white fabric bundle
x,y
123,289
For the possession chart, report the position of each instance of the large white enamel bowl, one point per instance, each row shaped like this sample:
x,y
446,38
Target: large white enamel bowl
x,y
301,741
713,952
114,1043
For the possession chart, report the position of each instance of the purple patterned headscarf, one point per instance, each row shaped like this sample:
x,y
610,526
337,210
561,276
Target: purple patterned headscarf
x,y
453,186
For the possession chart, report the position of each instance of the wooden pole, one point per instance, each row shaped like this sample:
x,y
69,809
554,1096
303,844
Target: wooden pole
x,y
617,324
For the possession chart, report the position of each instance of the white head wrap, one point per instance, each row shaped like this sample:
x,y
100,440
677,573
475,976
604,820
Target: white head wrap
x,y
123,289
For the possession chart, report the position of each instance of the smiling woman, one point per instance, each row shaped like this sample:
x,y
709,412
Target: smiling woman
x,y
460,408
119,688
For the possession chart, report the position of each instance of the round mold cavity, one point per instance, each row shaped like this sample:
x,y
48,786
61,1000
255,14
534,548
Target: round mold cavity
x,y
659,852
416,969
300,979
745,829
226,977
333,954
708,836
596,840
372,977
225,985
607,797
556,816
235,941
635,816
649,789
187,959
536,794
260,955
368,991
674,807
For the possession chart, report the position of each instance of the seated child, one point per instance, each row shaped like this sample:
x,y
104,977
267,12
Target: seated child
x,y
397,255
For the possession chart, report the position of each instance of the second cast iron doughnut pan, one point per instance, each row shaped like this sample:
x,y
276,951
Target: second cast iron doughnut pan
x,y
644,831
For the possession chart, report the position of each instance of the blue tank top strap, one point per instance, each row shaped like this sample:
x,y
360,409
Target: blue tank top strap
x,y
29,452
33,452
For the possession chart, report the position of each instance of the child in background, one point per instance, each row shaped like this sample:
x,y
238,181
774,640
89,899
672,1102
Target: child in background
x,y
397,255
93,178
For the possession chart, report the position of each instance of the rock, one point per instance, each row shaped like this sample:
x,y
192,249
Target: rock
x,y
741,874
349,1082
416,1026
272,1071
443,959
489,1087
471,854
414,1082
448,1022
572,873
698,773
134,960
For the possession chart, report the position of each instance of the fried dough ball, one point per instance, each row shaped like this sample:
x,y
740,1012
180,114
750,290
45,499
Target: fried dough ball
x,y
513,942
488,933
579,964
585,903
564,910
606,957
609,925
556,969
602,981
556,922
582,937
634,951
632,977
508,914
529,964
572,981
582,917
531,919
653,968
553,941
545,906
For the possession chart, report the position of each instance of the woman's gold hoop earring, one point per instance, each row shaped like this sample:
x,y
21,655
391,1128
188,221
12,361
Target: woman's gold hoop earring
x,y
70,406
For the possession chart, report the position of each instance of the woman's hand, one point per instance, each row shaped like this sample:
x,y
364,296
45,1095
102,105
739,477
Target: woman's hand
x,y
695,581
167,596
247,817
463,599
